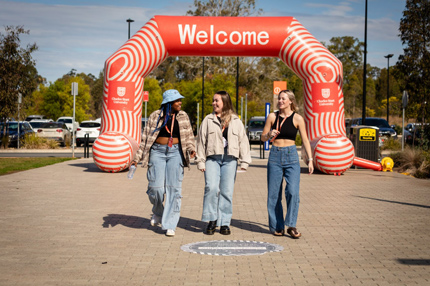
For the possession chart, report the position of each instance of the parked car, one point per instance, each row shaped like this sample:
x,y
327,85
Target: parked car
x,y
57,131
413,132
68,120
90,127
255,128
35,123
385,130
12,131
34,117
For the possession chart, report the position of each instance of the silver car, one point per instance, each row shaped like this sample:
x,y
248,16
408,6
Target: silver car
x,y
255,128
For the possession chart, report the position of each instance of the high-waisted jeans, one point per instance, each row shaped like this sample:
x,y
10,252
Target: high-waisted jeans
x,y
165,175
283,163
220,176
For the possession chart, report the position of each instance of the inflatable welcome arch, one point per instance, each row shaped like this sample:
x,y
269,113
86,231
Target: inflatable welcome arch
x,y
282,37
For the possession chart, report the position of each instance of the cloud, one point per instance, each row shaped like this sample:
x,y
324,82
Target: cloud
x,y
76,37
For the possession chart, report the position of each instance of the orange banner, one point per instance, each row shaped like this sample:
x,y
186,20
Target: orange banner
x,y
278,86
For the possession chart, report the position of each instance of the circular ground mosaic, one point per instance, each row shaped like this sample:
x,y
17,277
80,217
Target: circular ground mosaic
x,y
231,247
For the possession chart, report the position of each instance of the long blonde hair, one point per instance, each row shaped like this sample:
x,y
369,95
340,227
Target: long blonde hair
x,y
227,107
291,97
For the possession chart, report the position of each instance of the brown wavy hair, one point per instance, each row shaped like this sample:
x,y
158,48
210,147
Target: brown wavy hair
x,y
227,107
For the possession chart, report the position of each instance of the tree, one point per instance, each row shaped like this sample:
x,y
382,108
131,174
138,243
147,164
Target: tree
x,y
18,74
414,64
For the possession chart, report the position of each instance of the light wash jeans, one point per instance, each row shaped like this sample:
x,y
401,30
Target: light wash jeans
x,y
165,175
220,176
283,163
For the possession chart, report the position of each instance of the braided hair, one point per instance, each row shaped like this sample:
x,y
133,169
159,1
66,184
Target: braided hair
x,y
165,110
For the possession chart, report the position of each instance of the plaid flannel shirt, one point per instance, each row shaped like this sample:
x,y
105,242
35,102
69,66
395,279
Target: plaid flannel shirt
x,y
149,136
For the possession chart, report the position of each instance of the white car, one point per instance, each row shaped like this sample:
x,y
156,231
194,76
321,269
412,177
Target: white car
x,y
36,123
68,120
57,131
90,127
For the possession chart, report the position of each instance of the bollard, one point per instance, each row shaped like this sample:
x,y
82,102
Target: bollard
x,y
86,146
261,149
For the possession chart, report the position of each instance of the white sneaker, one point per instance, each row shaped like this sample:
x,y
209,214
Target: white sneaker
x,y
170,232
155,220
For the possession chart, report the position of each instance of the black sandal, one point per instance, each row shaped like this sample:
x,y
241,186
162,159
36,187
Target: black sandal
x,y
279,233
292,231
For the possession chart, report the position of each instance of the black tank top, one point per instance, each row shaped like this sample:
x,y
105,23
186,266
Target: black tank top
x,y
163,131
288,130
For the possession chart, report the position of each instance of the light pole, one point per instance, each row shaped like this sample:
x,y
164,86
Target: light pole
x,y
129,21
388,84
363,115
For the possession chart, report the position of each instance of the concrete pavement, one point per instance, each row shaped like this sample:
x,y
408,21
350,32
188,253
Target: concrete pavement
x,y
71,224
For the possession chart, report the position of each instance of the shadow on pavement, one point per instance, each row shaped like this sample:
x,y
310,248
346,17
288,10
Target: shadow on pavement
x,y
189,224
395,202
90,167
414,261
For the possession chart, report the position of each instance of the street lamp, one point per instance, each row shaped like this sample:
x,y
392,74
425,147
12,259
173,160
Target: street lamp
x,y
129,21
388,83
363,115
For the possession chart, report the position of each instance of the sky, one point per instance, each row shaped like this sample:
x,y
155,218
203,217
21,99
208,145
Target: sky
x,y
81,35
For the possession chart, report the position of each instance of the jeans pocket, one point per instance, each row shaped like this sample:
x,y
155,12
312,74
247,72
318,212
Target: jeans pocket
x,y
273,156
181,172
293,157
151,172
178,201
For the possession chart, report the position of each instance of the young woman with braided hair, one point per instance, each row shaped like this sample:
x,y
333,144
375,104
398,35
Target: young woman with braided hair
x,y
167,146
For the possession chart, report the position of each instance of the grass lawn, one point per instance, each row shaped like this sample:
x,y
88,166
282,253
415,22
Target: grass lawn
x,y
12,165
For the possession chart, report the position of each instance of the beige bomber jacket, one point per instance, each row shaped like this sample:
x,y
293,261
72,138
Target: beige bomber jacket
x,y
209,141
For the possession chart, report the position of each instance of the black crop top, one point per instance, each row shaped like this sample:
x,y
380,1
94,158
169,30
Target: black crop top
x,y
288,130
163,131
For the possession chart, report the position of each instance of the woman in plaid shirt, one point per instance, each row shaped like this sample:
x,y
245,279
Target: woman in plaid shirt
x,y
166,148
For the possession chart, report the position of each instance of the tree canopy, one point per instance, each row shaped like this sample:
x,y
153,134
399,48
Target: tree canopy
x,y
18,74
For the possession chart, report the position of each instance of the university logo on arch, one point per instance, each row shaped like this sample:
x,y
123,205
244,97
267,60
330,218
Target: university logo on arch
x,y
325,97
121,90
121,95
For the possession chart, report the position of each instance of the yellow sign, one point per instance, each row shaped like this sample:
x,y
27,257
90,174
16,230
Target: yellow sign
x,y
367,134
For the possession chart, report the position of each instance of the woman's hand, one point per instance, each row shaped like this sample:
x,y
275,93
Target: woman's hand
x,y
311,167
133,163
192,154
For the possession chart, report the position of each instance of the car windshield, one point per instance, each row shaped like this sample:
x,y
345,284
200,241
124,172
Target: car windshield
x,y
36,124
51,125
90,124
256,124
65,120
378,122
12,126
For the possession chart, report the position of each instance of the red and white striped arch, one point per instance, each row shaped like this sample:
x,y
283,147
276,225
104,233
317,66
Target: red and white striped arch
x,y
165,36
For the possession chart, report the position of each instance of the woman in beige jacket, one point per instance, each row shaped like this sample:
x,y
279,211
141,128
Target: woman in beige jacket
x,y
222,141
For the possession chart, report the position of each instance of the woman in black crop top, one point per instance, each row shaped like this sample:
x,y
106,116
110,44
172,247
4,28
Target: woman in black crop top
x,y
166,148
281,129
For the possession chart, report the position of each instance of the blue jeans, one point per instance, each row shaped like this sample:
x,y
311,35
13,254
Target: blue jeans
x,y
283,163
220,176
165,175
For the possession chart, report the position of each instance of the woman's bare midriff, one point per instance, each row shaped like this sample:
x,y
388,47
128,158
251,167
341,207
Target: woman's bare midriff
x,y
165,140
283,142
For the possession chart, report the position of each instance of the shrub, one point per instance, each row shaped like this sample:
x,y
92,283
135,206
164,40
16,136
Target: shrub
x,y
413,161
32,141
298,140
391,144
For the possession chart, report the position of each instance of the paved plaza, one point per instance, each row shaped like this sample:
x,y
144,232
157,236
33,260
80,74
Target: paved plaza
x,y
72,224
